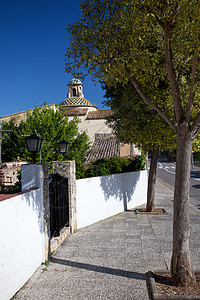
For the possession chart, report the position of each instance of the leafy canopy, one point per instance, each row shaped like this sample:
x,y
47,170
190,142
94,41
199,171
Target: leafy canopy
x,y
52,126
149,43
134,122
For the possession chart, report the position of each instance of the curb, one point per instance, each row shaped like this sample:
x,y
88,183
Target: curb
x,y
157,211
154,291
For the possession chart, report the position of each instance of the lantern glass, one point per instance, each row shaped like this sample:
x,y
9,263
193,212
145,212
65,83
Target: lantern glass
x,y
63,146
34,143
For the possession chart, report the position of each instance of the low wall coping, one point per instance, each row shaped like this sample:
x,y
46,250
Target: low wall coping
x,y
4,197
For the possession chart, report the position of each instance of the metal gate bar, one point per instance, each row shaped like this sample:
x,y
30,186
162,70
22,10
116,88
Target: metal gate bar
x,y
59,203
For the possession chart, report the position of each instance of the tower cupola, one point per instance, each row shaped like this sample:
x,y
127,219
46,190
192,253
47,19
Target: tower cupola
x,y
75,88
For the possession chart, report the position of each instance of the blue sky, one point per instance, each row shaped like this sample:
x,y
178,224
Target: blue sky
x,y
33,42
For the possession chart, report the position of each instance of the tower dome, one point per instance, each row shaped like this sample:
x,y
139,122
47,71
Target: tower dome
x,y
75,81
76,101
75,97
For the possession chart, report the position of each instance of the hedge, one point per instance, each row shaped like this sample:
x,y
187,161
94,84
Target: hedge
x,y
108,166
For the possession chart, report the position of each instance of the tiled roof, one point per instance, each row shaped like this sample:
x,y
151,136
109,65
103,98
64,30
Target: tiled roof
x,y
73,101
74,112
105,145
99,114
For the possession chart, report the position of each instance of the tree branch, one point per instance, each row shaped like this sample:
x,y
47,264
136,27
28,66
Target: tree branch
x,y
171,73
193,86
174,13
159,21
153,105
196,126
149,9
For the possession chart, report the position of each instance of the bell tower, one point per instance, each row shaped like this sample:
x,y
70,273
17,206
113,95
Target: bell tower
x,y
75,88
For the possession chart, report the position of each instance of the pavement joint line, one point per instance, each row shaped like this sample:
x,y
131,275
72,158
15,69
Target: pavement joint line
x,y
163,256
150,224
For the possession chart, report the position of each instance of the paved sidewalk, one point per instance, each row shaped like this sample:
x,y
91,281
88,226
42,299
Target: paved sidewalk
x,y
108,260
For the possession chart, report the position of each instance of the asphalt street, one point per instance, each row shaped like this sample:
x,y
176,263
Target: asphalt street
x,y
166,176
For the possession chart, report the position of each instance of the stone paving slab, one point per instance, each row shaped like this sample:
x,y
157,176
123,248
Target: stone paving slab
x,y
109,260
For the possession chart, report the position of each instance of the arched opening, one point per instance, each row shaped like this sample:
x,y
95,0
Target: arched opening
x,y
74,92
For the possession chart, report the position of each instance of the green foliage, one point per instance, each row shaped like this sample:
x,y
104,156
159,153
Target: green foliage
x,y
17,186
47,262
103,166
196,155
133,121
107,166
80,170
78,148
53,127
13,142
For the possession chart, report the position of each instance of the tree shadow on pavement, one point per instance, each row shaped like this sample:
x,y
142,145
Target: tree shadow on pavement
x,y
99,269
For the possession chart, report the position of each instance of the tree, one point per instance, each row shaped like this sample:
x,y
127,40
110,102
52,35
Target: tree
x,y
133,121
147,42
12,141
53,127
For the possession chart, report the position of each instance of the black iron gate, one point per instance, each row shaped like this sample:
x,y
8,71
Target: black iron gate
x,y
59,203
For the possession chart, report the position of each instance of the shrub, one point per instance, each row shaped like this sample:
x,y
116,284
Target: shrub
x,y
80,170
107,166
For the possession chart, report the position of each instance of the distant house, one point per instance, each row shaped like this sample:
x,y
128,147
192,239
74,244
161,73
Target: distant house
x,y
21,116
93,121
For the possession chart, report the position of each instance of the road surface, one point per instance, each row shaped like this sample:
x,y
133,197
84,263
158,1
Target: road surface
x,y
166,176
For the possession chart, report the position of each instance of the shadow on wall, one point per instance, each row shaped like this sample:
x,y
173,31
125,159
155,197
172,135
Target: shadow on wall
x,y
120,186
33,199
33,178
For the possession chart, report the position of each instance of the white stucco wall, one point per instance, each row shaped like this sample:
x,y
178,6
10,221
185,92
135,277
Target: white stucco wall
x,y
92,126
33,177
101,197
21,241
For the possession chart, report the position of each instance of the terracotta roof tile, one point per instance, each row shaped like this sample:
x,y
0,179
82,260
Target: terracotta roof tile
x,y
105,145
74,112
99,114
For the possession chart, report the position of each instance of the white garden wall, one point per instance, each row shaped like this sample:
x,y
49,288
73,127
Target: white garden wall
x,y
101,197
21,241
24,217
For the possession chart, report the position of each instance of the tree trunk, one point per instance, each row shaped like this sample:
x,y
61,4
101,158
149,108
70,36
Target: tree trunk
x,y
152,181
181,269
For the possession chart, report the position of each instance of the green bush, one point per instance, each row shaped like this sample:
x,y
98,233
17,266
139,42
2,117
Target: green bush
x,y
80,170
113,165
196,155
